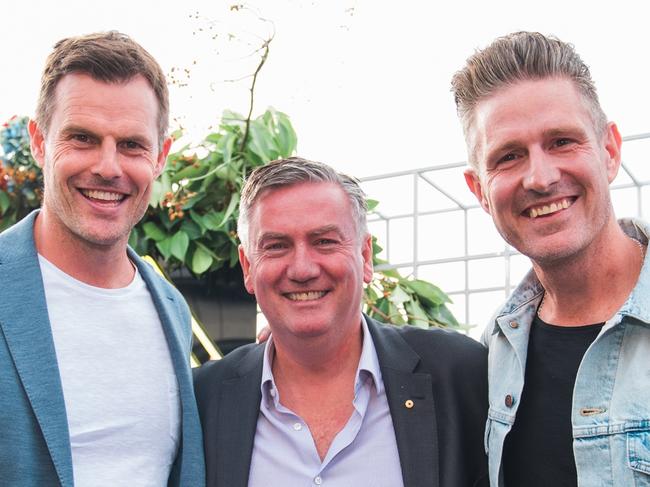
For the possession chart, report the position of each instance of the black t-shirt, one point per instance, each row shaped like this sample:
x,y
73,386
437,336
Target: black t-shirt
x,y
538,451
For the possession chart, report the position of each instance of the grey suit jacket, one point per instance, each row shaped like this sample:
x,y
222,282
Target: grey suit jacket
x,y
34,437
439,439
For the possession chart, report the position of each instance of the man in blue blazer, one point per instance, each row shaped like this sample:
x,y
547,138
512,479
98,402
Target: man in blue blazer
x,y
95,384
334,398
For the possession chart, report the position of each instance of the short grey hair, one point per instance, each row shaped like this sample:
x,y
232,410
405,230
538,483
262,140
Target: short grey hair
x,y
296,170
521,56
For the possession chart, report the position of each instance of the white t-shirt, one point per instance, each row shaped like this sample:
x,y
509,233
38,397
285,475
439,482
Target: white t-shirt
x,y
119,385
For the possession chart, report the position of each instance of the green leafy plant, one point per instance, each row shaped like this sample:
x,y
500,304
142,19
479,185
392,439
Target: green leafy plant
x,y
191,221
21,180
393,298
399,300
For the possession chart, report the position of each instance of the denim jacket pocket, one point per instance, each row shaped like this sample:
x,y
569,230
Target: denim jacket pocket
x,y
638,456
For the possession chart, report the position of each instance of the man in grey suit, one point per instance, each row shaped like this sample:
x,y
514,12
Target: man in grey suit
x,y
333,397
95,384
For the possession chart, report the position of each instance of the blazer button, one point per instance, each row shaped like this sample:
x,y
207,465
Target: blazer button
x,y
509,401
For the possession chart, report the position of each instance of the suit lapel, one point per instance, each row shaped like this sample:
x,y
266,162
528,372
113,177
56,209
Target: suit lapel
x,y
239,407
190,456
29,339
411,403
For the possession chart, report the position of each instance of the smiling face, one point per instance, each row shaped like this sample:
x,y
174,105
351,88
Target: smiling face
x,y
99,156
543,170
305,262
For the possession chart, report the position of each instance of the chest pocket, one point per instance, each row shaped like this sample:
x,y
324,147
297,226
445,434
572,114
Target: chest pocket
x,y
638,456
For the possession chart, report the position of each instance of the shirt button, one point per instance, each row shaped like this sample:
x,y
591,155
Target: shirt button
x,y
297,426
272,392
509,401
318,480
514,324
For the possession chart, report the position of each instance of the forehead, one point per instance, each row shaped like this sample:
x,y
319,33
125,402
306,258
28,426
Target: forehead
x,y
78,95
300,207
526,109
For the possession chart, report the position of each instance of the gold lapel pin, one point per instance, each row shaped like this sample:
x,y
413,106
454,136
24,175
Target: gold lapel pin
x,y
408,404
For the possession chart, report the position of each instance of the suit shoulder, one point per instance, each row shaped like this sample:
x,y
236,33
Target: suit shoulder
x,y
238,362
460,354
441,338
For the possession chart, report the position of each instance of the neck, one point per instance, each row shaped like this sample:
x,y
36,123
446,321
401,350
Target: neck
x,y
590,287
106,266
312,362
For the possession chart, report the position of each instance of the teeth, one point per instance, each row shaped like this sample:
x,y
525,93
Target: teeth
x,y
548,209
307,296
102,195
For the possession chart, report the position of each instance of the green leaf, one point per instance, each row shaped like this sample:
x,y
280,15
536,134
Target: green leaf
x,y
232,206
214,137
226,145
153,232
179,244
286,139
5,202
213,220
395,316
133,238
416,315
165,247
192,230
371,294
190,171
427,291
372,204
442,315
398,296
234,255
191,203
157,193
201,261
261,141
198,219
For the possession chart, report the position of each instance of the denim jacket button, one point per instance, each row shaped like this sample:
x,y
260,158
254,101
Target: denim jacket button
x,y
514,324
509,401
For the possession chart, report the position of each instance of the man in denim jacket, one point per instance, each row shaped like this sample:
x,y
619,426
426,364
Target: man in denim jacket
x,y
569,364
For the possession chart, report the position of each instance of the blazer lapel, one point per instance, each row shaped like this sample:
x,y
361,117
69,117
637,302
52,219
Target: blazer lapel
x,y
179,343
412,407
239,407
25,324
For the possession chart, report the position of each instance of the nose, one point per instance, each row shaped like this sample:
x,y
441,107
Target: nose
x,y
541,172
304,266
108,164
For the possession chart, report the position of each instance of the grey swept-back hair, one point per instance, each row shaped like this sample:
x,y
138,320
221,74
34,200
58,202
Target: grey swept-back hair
x,y
521,56
295,170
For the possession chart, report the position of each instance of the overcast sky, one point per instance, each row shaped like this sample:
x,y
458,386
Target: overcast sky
x,y
366,83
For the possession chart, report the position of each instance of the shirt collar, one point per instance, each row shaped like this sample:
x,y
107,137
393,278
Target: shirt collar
x,y
368,367
637,304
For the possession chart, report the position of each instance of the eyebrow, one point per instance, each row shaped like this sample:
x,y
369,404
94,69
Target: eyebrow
x,y
325,229
546,134
312,233
138,138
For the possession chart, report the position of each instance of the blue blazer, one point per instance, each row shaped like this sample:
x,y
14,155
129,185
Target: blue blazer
x,y
34,437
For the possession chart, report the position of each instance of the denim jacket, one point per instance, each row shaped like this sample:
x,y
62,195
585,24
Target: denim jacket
x,y
611,398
